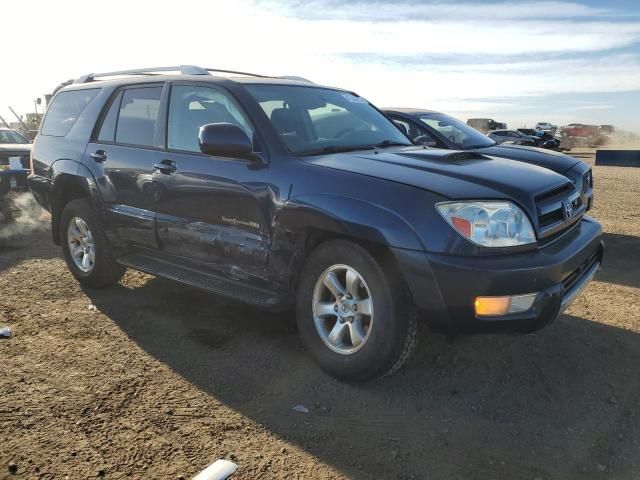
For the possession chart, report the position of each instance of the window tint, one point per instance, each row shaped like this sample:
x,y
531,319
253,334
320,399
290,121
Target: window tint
x,y
191,107
138,115
65,110
459,135
108,128
312,120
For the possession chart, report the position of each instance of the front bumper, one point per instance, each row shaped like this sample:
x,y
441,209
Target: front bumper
x,y
444,287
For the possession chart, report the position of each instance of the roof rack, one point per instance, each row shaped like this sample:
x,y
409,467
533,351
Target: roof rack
x,y
183,69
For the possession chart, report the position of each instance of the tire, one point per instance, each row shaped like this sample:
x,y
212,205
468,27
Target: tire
x,y
103,270
370,345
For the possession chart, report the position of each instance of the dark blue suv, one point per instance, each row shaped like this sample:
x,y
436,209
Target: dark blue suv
x,y
289,195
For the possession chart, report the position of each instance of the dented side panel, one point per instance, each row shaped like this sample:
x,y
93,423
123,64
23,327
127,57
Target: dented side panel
x,y
216,214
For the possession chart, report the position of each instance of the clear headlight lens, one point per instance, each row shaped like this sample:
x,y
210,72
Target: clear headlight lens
x,y
489,223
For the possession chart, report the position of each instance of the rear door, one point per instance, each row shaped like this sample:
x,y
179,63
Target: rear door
x,y
127,148
213,213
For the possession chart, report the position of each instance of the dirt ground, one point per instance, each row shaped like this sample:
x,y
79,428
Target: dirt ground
x,y
155,380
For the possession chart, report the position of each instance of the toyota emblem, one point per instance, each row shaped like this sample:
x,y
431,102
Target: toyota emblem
x,y
568,210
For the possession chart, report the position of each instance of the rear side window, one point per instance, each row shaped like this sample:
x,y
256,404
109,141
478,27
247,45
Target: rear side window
x,y
138,115
108,128
65,110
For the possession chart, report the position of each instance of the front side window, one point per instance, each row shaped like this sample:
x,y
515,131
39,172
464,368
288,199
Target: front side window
x,y
459,134
65,109
191,107
313,120
138,115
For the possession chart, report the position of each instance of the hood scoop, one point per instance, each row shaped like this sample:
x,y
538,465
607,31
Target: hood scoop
x,y
444,155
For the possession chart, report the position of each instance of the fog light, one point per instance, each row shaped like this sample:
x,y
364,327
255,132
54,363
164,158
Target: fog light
x,y
497,306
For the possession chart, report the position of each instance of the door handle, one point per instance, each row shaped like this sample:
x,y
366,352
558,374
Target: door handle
x,y
99,156
166,166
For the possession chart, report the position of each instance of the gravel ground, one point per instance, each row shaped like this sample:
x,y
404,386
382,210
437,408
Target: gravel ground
x,y
151,379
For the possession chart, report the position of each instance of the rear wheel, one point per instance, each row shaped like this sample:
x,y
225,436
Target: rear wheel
x,y
355,318
86,248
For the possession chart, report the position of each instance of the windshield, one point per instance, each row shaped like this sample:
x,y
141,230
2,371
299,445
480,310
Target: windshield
x,y
312,120
460,135
9,136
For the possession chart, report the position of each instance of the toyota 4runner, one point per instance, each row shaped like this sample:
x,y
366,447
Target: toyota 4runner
x,y
289,195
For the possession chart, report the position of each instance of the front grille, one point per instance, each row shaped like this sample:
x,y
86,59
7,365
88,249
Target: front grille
x,y
556,192
574,277
587,181
550,218
553,221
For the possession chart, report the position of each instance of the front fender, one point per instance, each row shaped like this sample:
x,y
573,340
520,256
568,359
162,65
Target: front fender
x,y
334,214
349,216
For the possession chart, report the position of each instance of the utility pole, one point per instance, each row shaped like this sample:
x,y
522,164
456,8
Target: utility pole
x,y
4,121
24,125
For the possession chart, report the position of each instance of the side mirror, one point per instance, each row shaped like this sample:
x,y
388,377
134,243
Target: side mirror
x,y
224,140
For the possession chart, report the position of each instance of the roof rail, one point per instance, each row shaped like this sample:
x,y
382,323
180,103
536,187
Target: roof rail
x,y
183,69
236,72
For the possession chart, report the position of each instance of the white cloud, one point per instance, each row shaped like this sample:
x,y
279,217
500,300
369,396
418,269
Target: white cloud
x,y
401,10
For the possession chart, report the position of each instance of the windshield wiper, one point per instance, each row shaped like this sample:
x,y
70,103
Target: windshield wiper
x,y
391,143
333,149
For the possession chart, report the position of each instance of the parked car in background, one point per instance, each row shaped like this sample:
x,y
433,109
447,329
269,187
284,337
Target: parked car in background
x,y
580,135
607,130
547,127
14,160
515,137
580,130
485,125
546,139
435,129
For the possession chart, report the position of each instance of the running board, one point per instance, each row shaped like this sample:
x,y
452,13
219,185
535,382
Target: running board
x,y
212,283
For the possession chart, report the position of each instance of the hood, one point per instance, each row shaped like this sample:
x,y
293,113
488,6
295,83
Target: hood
x,y
450,173
556,161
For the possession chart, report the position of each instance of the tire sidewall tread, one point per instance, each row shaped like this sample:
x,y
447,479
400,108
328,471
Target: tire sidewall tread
x,y
106,271
394,331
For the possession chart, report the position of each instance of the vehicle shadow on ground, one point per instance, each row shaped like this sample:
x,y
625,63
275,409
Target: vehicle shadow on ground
x,y
561,400
622,260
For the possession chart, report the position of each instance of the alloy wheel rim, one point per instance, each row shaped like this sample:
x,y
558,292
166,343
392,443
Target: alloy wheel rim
x,y
81,245
342,309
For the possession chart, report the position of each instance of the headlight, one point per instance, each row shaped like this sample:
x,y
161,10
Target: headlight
x,y
489,223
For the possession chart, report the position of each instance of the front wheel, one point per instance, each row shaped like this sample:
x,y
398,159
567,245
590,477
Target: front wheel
x,y
355,318
86,248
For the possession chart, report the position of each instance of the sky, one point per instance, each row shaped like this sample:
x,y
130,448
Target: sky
x,y
519,62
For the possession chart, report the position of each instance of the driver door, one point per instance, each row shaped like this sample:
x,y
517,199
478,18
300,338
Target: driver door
x,y
212,213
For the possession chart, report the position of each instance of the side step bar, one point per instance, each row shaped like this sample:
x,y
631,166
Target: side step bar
x,y
212,283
